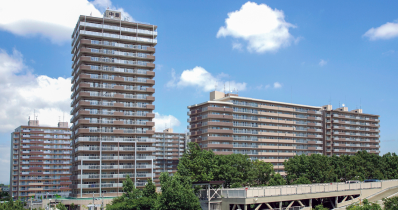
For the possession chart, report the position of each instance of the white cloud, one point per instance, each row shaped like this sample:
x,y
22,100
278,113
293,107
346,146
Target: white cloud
x,y
385,31
388,52
200,78
264,28
322,62
22,92
48,18
5,164
277,85
237,45
165,121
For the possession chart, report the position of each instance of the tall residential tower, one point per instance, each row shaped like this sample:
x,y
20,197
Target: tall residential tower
x,y
112,85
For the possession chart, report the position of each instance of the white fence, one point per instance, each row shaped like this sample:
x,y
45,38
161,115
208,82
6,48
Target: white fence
x,y
295,189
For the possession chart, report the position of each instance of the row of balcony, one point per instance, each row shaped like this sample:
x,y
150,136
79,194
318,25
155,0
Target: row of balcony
x,y
354,123
114,148
114,122
112,139
110,130
110,104
39,141
354,134
114,45
44,173
46,131
116,53
113,176
355,145
118,28
354,117
106,69
113,158
97,167
99,112
113,87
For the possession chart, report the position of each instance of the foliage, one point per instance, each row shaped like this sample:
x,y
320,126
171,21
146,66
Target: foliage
x,y
12,205
302,180
320,207
134,199
177,193
236,169
391,203
73,206
323,169
150,190
365,206
4,196
276,179
61,206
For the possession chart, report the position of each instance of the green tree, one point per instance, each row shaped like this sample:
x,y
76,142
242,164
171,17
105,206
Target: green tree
x,y
302,180
365,206
12,205
177,193
276,180
61,206
150,190
197,163
320,207
73,206
391,203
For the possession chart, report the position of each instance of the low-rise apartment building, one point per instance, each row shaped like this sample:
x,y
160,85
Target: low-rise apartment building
x,y
267,130
40,161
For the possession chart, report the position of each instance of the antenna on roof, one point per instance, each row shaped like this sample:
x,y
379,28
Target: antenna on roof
x,y
224,87
59,118
360,103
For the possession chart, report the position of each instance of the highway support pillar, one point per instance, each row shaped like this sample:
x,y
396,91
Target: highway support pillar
x,y
280,205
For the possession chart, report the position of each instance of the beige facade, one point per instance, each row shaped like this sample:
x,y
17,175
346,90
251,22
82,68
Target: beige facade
x,y
40,161
112,96
350,131
169,148
268,130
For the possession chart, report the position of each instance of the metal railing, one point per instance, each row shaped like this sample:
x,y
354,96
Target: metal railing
x,y
296,189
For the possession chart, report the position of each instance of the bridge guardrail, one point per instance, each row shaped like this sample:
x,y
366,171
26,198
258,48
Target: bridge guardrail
x,y
295,189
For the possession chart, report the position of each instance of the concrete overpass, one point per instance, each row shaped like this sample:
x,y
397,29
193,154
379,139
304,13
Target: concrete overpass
x,y
332,195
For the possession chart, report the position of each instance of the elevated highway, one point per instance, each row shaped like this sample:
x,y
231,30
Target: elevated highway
x,y
332,195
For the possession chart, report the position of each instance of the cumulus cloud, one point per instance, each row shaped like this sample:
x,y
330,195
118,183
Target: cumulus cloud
x,y
264,28
237,45
22,92
277,85
200,78
5,163
322,62
165,121
51,19
385,31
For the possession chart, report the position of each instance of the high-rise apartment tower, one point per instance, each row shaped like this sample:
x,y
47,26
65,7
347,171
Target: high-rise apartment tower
x,y
112,85
40,161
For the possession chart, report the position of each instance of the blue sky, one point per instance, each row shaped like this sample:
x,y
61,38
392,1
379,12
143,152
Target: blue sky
x,y
322,52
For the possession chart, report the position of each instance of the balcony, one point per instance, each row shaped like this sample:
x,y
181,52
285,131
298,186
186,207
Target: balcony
x,y
117,28
104,139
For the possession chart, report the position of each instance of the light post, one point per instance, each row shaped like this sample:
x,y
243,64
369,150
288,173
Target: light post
x,y
49,205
